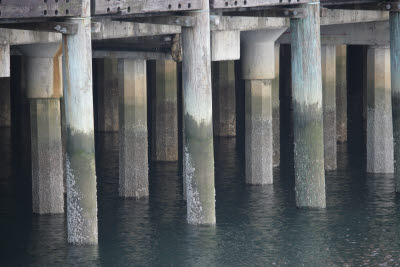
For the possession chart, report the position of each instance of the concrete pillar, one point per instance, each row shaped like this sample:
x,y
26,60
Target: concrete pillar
x,y
107,95
328,56
197,112
395,84
5,102
341,93
47,159
133,150
165,110
258,139
81,167
224,98
258,69
379,111
43,80
276,117
307,109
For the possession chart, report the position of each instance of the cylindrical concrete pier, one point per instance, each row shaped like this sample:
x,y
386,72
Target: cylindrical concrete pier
x,y
164,110
107,94
5,102
198,123
341,93
133,140
379,111
224,98
81,169
307,109
395,85
328,56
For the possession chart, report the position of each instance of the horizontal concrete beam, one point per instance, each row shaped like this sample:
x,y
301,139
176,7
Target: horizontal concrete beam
x,y
113,29
370,33
131,55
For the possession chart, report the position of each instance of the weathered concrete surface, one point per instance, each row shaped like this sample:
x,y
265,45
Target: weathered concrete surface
x,y
133,150
395,85
197,112
368,33
307,110
107,95
224,98
81,167
379,111
341,93
328,56
276,117
47,158
225,45
43,70
258,52
258,133
164,110
5,102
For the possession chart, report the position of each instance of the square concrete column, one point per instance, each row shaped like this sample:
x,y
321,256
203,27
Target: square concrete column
x,y
47,159
341,93
258,139
81,165
395,84
259,69
165,110
133,150
198,123
107,95
224,98
328,56
308,109
276,117
379,111
42,76
5,102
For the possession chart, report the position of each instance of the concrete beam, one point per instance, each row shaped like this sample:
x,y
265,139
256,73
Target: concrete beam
x,y
132,55
369,33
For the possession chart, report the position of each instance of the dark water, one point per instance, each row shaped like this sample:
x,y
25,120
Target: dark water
x,y
256,225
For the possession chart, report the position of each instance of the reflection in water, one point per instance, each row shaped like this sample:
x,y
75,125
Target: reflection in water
x,y
256,225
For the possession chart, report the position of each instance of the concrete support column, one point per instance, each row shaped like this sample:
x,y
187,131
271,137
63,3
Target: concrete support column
x,y
224,98
5,102
258,139
197,114
276,116
308,110
395,84
133,150
258,69
107,95
81,167
328,56
165,110
47,159
43,80
379,111
341,93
